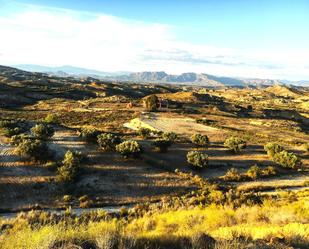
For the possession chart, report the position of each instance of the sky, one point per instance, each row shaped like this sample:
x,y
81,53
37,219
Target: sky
x,y
242,38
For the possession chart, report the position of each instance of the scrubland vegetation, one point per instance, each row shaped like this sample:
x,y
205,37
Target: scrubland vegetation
x,y
192,167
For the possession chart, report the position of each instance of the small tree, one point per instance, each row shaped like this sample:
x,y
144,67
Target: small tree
x,y
17,139
200,140
161,145
108,141
232,175
272,149
42,131
254,172
150,102
52,119
33,149
287,159
9,132
70,167
171,136
235,144
89,135
144,133
269,171
197,159
129,149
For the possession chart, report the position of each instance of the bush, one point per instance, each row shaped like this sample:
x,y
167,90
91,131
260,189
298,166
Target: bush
x,y
150,102
171,136
70,167
9,132
161,145
232,175
272,149
52,119
42,131
85,201
197,159
144,133
34,149
129,149
287,159
17,139
254,172
200,140
235,144
67,198
89,135
108,141
269,171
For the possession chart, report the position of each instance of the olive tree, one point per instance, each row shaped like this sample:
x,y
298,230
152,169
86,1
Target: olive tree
x,y
108,141
235,144
42,131
200,140
197,159
129,149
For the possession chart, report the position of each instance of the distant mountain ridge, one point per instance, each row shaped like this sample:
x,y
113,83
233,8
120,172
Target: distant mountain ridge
x,y
189,78
192,79
66,70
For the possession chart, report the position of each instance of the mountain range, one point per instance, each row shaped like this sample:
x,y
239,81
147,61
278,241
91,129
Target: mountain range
x,y
199,79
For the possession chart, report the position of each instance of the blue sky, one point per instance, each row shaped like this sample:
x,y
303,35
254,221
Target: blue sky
x,y
266,39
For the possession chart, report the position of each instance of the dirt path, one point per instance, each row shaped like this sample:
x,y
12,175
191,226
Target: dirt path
x,y
176,123
65,139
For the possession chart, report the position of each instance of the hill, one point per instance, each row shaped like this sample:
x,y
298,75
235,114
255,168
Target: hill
x,y
283,91
201,79
188,78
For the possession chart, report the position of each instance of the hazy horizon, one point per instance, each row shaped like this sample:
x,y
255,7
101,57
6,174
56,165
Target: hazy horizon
x,y
260,39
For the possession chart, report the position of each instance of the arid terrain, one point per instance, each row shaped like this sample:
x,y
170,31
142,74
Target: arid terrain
x,y
256,115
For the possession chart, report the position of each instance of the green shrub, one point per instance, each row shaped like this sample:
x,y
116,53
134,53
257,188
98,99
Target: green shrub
x,y
129,149
269,171
85,201
161,145
287,159
89,135
232,175
171,136
70,167
17,139
150,102
254,172
272,149
144,133
197,159
9,132
200,140
235,144
52,119
33,149
67,198
108,141
42,131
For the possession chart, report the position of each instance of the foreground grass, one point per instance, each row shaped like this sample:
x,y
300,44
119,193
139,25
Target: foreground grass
x,y
284,221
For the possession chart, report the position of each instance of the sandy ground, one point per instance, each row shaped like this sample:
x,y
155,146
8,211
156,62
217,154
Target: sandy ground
x,y
113,180
106,176
167,123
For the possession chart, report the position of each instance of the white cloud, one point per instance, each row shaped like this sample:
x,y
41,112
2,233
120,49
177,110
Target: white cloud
x,y
56,37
